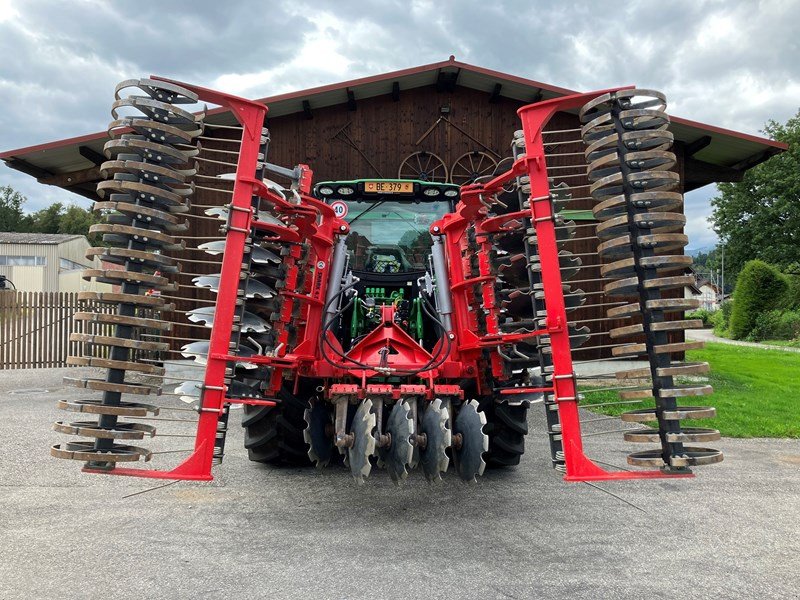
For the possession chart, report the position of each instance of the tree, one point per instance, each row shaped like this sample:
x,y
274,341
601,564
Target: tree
x,y
78,220
708,261
759,217
11,216
56,218
48,219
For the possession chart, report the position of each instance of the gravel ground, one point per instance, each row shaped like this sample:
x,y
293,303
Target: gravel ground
x,y
707,335
732,532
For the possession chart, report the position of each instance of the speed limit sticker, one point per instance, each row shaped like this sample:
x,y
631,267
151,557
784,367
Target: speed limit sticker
x,y
339,209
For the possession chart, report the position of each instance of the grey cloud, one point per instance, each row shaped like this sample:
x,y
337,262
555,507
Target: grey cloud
x,y
697,209
67,57
197,39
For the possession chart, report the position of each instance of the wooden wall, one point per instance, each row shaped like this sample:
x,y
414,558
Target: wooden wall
x,y
386,131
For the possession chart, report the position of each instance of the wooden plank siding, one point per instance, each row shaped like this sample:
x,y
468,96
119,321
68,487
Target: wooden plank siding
x,y
386,131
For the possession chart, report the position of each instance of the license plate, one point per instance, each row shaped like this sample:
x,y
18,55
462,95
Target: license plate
x,y
389,187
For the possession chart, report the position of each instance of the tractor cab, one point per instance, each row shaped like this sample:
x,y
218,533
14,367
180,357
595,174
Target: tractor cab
x,y
389,221
389,243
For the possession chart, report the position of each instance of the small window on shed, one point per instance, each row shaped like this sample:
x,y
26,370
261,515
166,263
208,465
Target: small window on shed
x,y
64,264
23,261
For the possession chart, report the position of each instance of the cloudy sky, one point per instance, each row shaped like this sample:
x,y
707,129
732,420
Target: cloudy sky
x,y
728,63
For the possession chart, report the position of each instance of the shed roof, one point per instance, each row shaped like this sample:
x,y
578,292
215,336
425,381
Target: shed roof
x,y
7,237
731,151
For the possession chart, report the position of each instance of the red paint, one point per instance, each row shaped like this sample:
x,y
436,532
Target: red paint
x,y
389,346
578,466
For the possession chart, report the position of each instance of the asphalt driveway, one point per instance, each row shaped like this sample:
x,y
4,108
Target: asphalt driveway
x,y
257,532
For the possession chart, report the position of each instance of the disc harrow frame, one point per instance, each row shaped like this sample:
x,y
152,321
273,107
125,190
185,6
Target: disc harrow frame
x,y
485,264
531,165
241,221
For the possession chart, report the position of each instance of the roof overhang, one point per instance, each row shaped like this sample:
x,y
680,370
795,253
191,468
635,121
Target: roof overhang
x,y
712,153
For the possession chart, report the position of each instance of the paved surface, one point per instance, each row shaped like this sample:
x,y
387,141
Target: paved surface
x,y
707,335
257,532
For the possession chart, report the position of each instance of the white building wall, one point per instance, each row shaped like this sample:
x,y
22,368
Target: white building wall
x,y
32,278
51,277
708,297
26,279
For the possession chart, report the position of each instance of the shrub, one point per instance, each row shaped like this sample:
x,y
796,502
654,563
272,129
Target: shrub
x,y
759,288
721,319
703,314
764,326
791,299
776,325
788,325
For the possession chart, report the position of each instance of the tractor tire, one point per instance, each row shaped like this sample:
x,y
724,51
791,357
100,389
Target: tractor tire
x,y
507,427
274,434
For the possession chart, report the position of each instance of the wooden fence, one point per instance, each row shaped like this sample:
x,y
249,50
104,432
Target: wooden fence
x,y
35,328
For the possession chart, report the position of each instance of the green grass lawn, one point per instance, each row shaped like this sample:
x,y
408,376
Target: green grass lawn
x,y
756,392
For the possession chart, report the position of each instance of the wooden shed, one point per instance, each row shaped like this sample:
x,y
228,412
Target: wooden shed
x,y
448,112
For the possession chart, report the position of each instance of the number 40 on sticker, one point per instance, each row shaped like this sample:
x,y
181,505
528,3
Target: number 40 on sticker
x,y
339,209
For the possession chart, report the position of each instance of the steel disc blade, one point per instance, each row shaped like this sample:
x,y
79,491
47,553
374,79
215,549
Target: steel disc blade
x,y
578,335
271,219
320,444
263,256
469,423
218,211
514,270
255,289
510,242
204,315
566,231
276,187
214,248
273,186
363,447
207,281
518,304
401,427
221,212
575,299
436,428
197,351
250,323
188,391
415,452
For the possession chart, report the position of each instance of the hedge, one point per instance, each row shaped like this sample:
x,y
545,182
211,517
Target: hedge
x,y
759,288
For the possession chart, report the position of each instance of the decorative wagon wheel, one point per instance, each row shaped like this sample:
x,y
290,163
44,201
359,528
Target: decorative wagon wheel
x,y
424,166
471,166
504,165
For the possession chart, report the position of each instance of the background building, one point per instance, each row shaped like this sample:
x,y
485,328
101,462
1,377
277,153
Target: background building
x,y
707,292
46,262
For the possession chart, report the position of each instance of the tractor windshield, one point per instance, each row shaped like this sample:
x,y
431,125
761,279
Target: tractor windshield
x,y
391,236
